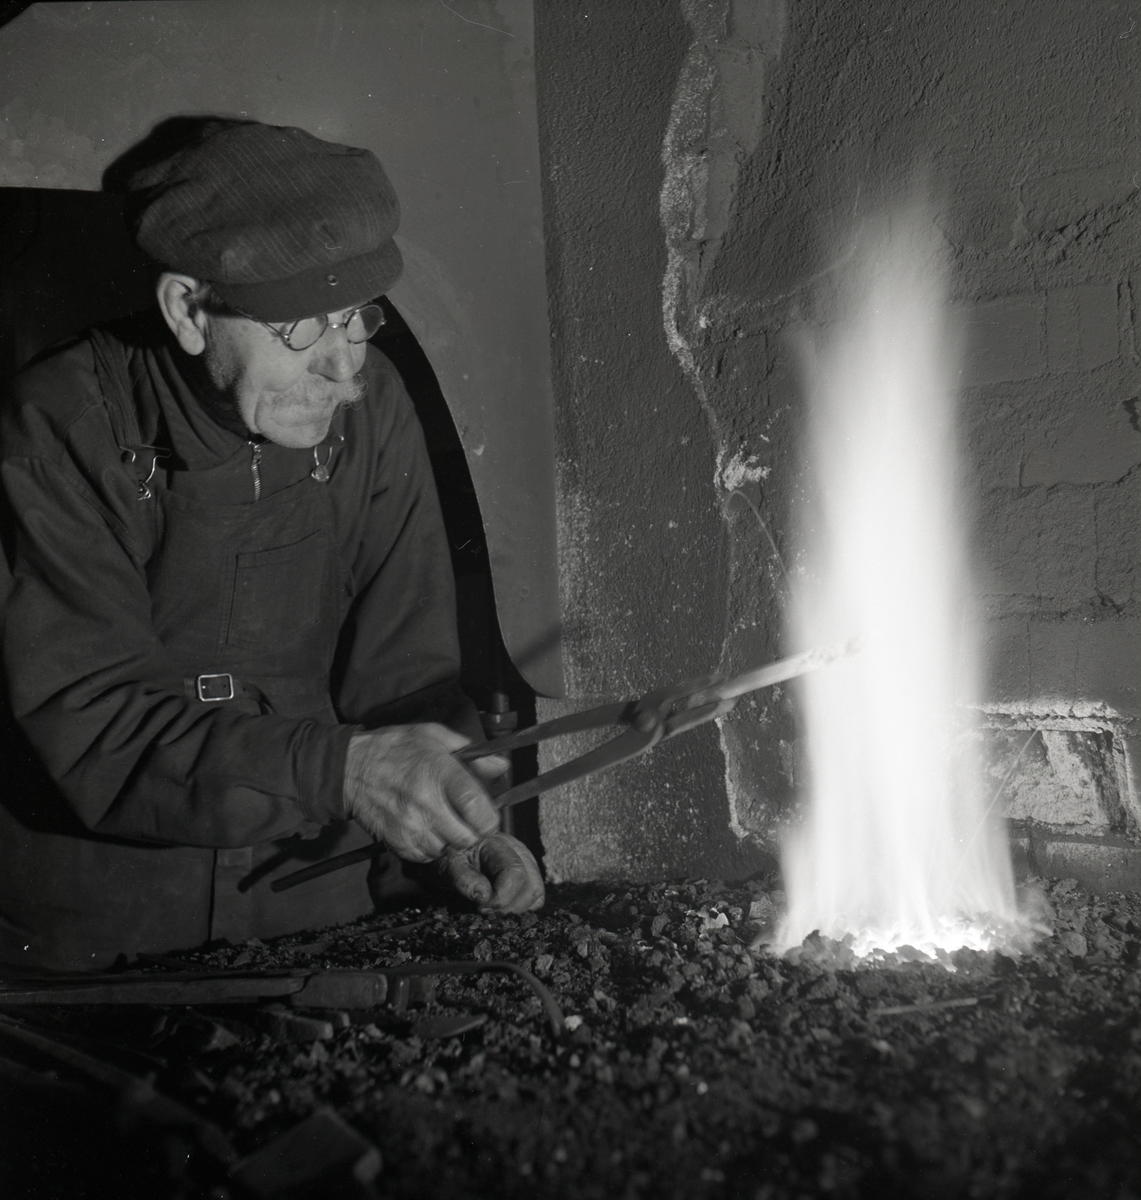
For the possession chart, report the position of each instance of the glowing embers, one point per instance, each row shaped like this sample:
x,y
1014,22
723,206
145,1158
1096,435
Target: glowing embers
x,y
897,847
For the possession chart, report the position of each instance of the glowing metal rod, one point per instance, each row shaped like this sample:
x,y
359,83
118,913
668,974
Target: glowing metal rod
x,y
774,672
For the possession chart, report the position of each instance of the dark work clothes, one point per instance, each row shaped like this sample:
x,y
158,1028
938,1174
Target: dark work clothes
x,y
328,600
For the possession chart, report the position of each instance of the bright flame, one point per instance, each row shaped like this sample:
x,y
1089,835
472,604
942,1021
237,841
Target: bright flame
x,y
897,847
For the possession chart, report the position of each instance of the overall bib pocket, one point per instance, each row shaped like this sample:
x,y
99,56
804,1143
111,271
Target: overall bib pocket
x,y
277,593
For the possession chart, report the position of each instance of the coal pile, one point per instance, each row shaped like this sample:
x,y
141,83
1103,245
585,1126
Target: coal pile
x,y
691,1063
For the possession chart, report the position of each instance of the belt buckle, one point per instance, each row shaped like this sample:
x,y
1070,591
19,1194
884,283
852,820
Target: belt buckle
x,y
213,688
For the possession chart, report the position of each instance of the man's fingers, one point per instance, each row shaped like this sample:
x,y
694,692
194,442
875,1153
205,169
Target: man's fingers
x,y
518,886
473,807
454,807
404,786
489,768
420,847
466,879
499,874
512,891
448,738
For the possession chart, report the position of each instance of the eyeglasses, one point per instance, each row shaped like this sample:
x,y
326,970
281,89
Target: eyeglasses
x,y
359,326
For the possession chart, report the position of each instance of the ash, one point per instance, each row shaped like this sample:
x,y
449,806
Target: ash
x,y
692,1065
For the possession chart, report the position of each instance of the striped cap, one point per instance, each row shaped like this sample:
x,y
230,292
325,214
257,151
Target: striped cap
x,y
282,224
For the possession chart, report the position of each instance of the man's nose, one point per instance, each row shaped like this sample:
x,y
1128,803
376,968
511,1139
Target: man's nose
x,y
335,357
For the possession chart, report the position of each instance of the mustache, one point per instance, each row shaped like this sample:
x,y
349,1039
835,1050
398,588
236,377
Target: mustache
x,y
311,390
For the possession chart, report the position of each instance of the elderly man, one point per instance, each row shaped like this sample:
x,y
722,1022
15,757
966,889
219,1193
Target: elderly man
x,y
229,632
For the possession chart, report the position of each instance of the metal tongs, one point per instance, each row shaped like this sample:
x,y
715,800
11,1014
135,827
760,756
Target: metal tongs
x,y
644,722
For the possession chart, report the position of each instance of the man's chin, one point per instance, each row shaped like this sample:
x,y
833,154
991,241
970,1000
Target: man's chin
x,y
297,435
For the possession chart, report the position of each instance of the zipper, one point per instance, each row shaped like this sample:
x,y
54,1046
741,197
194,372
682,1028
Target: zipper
x,y
255,468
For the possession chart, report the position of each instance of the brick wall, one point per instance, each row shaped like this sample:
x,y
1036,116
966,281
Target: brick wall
x,y
785,126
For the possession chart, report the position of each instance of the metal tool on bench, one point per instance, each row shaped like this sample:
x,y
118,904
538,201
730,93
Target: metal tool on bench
x,y
396,986
644,722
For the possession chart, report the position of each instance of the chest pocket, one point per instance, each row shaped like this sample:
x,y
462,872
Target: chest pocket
x,y
277,593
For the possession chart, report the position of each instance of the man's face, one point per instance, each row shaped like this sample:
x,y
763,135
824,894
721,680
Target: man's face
x,y
288,396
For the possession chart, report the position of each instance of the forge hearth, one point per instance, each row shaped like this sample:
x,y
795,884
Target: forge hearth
x,y
1069,793
691,1065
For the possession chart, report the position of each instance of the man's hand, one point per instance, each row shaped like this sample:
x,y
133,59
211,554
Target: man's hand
x,y
498,873
403,786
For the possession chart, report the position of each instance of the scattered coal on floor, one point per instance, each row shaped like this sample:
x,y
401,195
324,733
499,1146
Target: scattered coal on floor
x,y
693,1063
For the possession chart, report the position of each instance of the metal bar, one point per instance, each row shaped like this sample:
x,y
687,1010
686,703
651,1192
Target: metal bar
x,y
214,989
318,869
770,673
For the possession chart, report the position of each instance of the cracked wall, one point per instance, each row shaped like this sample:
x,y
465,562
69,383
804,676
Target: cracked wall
x,y
707,163
645,557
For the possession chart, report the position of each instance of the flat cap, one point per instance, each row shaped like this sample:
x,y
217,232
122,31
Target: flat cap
x,y
282,224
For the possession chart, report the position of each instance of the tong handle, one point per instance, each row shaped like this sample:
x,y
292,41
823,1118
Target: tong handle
x,y
593,718
626,745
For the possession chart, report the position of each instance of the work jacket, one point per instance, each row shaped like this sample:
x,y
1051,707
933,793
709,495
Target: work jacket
x,y
195,625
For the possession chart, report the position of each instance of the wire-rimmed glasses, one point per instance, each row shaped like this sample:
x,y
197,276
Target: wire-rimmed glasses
x,y
359,325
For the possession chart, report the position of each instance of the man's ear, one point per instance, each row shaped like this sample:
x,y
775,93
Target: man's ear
x,y
185,317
